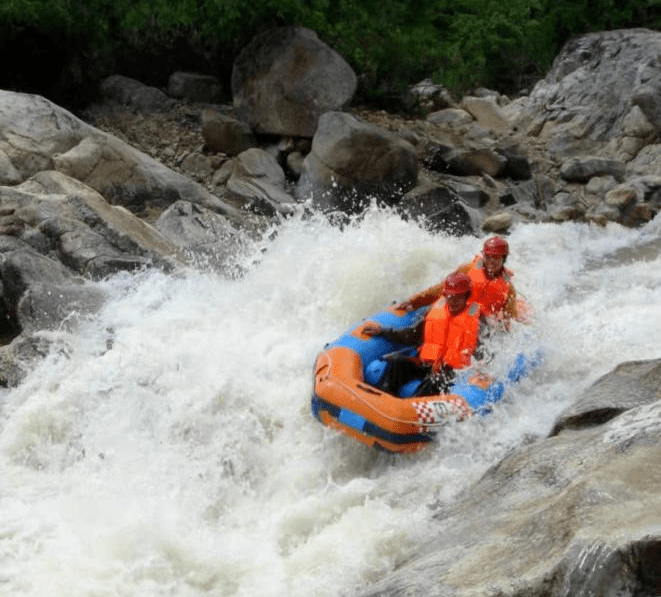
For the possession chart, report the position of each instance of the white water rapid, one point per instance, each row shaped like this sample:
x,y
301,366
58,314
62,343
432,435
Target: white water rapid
x,y
168,448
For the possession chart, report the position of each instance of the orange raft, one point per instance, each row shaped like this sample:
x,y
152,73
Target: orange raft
x,y
347,398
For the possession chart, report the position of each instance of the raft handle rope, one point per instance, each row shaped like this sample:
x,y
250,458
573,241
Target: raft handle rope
x,y
374,409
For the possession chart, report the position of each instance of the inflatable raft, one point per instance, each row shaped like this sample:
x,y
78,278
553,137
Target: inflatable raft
x,y
346,395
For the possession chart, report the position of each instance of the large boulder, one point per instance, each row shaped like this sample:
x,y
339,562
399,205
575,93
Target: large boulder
x,y
56,237
286,78
352,161
573,514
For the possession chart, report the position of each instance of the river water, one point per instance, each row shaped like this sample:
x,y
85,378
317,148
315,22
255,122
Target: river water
x,y
166,448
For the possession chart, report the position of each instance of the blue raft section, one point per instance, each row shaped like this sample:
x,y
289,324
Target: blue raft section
x,y
372,350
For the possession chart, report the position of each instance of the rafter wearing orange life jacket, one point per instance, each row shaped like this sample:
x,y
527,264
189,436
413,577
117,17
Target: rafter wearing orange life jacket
x,y
496,296
450,339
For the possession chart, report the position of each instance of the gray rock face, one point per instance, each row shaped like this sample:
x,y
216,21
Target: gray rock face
x,y
596,85
8,174
92,237
286,78
574,514
60,236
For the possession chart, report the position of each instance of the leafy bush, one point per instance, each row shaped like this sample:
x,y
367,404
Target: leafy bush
x,y
499,44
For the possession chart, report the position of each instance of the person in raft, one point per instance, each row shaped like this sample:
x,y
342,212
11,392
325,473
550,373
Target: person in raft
x,y
447,338
491,284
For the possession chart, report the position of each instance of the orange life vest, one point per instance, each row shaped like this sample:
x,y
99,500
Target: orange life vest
x,y
450,340
490,294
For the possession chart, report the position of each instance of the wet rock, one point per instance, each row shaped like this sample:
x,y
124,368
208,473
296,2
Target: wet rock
x,y
498,222
208,240
570,514
259,180
536,192
351,160
43,294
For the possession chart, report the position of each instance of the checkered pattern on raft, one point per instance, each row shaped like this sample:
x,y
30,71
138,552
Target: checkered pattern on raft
x,y
432,413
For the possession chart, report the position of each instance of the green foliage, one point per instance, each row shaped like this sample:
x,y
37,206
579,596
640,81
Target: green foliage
x,y
502,44
493,43
569,18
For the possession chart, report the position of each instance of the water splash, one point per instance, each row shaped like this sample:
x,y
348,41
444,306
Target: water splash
x,y
170,449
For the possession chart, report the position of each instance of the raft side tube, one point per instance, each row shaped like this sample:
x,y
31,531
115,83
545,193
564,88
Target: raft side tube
x,y
371,348
356,422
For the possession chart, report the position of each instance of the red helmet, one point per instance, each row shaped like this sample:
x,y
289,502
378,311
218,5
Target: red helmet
x,y
496,246
456,283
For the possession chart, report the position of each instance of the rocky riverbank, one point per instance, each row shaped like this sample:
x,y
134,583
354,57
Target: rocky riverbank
x,y
147,180
153,177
